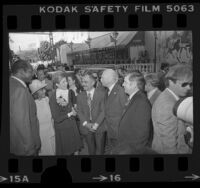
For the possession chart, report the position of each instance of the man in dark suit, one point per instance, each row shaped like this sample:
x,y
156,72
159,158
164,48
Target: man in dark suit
x,y
90,107
151,87
24,125
135,125
114,106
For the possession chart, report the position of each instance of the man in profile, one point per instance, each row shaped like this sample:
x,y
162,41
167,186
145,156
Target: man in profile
x,y
24,125
135,126
168,129
114,106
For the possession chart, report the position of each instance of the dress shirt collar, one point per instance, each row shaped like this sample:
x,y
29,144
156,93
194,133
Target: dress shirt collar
x,y
175,96
21,81
131,96
91,92
110,88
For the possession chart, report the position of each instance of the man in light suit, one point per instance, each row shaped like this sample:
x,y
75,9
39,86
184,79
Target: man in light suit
x,y
114,106
168,129
90,107
24,125
135,125
151,87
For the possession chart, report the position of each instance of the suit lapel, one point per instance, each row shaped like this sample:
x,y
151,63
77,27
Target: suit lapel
x,y
153,97
169,94
113,92
130,103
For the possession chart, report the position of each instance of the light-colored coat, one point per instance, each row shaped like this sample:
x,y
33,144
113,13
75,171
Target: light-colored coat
x,y
168,129
24,125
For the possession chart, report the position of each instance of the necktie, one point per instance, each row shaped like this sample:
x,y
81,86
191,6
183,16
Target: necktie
x,y
107,93
89,101
126,105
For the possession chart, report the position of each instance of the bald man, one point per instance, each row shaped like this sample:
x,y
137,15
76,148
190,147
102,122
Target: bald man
x,y
114,105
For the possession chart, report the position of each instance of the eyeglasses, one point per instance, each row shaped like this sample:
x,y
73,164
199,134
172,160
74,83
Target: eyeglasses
x,y
186,84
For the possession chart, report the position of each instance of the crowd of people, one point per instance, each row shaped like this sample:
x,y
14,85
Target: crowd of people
x,y
115,112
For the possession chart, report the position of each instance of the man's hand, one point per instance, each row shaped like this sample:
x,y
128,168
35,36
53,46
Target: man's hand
x,y
94,127
90,126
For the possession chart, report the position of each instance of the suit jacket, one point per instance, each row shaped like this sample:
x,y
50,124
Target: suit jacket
x,y
114,107
98,112
135,125
168,129
24,125
154,96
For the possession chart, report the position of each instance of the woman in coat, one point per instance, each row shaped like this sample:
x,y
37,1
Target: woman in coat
x,y
68,139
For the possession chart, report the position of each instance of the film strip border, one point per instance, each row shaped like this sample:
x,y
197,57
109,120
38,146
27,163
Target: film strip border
x,y
155,16
84,22
108,169
110,164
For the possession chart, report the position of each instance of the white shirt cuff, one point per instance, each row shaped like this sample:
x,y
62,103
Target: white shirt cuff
x,y
69,114
84,123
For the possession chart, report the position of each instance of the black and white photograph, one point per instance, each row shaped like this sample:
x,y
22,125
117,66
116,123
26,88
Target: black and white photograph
x,y
101,93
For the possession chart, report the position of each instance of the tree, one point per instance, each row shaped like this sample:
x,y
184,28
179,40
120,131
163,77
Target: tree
x,y
45,51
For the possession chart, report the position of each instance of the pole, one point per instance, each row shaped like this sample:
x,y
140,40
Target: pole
x,y
155,62
115,54
51,44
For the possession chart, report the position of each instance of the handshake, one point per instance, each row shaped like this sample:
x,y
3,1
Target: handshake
x,y
91,126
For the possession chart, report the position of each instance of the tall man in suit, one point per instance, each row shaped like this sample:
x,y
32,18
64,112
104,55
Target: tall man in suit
x,y
168,129
114,106
90,106
151,87
135,125
24,125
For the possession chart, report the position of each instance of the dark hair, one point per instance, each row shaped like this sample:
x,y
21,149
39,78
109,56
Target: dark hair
x,y
40,67
90,74
139,78
19,65
66,68
72,76
164,66
77,83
